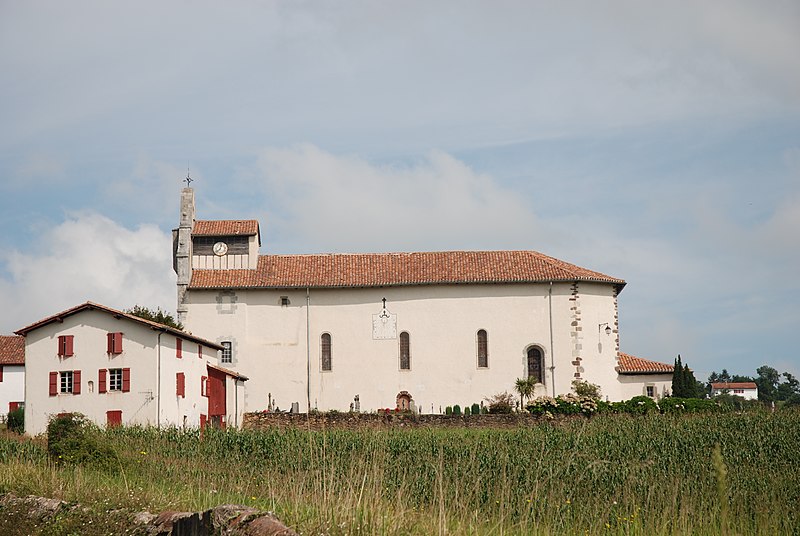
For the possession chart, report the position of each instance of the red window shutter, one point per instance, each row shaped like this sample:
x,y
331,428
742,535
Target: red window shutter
x,y
126,380
53,383
101,381
180,380
68,345
1,373
179,348
114,343
76,382
61,346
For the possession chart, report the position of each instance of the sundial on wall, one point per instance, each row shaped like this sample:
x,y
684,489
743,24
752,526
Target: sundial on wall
x,y
384,324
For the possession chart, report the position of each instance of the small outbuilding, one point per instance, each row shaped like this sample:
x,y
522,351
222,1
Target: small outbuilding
x,y
12,373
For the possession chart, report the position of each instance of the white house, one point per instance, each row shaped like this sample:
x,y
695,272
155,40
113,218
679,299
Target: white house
x,y
390,329
747,390
12,373
117,368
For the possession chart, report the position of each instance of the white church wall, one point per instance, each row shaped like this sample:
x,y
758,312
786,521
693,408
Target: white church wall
x,y
442,320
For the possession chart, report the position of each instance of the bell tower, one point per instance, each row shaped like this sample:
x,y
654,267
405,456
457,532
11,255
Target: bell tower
x,y
182,248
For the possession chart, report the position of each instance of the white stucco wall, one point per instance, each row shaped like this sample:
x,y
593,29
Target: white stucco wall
x,y
747,394
636,385
270,345
12,388
152,399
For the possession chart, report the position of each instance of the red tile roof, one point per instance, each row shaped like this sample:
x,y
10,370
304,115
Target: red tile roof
x,y
349,270
629,364
734,385
118,314
12,350
225,227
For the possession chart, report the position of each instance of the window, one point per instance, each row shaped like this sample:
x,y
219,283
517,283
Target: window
x,y
325,349
483,349
285,301
180,384
535,364
203,386
65,382
116,379
405,351
651,391
1,373
735,391
65,345
114,343
227,352
179,348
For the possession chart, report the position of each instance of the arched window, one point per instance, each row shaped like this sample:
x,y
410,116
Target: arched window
x,y
483,349
325,347
535,365
405,351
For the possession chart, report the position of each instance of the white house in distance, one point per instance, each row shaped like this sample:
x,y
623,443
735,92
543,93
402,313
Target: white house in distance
x,y
12,372
430,329
747,390
117,368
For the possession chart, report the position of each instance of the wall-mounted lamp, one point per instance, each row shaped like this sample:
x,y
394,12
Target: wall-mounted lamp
x,y
608,328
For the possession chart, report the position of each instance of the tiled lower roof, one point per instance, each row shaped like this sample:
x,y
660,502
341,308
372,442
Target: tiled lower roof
x,y
734,385
629,364
350,270
12,350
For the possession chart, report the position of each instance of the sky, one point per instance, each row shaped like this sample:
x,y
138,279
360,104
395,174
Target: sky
x,y
657,142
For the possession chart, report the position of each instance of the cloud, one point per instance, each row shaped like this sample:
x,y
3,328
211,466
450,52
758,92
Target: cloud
x,y
87,257
345,203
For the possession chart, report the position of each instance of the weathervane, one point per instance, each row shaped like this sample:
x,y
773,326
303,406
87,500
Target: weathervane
x,y
188,180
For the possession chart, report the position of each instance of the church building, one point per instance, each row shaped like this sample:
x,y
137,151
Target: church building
x,y
424,330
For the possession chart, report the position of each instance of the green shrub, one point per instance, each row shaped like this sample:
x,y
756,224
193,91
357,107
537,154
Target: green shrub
x,y
16,420
467,411
476,409
456,410
448,410
73,439
640,405
501,403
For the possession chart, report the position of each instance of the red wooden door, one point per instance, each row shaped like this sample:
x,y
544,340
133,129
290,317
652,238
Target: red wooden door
x,y
216,396
113,418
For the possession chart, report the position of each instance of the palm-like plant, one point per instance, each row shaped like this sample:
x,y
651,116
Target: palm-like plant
x,y
524,386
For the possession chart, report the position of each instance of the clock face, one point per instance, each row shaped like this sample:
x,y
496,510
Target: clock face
x,y
220,248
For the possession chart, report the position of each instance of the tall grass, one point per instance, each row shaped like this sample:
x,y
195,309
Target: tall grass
x,y
656,474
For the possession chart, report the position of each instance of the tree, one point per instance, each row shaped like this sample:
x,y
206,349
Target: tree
x,y
767,382
677,378
162,317
788,388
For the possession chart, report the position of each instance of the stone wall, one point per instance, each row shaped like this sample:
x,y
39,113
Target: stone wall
x,y
321,421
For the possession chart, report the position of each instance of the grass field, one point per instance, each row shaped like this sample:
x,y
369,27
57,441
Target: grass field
x,y
613,474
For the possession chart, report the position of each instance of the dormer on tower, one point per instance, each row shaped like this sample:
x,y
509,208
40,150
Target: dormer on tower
x,y
225,244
